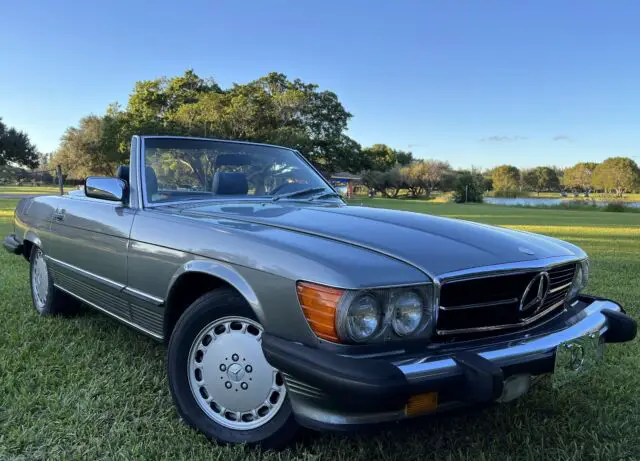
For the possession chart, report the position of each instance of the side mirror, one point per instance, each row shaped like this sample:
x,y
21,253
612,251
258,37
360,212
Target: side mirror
x,y
105,188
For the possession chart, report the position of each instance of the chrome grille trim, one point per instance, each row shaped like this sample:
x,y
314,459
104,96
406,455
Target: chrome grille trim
x,y
560,283
567,285
524,323
475,306
507,269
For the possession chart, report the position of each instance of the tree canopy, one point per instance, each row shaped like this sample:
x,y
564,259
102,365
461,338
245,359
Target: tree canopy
x,y
88,149
505,178
619,174
381,157
271,109
580,176
15,147
540,179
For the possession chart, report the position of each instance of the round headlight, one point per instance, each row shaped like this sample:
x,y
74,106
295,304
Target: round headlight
x,y
363,318
407,313
585,273
576,284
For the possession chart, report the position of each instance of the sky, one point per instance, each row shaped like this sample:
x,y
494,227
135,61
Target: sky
x,y
475,82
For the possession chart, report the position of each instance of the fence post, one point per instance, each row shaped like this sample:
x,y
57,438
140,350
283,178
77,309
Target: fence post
x,y
60,180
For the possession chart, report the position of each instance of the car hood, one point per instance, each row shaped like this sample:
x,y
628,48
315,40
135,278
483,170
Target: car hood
x,y
433,244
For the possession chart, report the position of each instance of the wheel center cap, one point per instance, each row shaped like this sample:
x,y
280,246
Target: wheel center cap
x,y
235,373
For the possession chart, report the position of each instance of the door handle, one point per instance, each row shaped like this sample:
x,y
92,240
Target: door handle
x,y
58,215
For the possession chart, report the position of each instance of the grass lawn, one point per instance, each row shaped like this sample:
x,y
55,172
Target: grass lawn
x,y
24,190
89,388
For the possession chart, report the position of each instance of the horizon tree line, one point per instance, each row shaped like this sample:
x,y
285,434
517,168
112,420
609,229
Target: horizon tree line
x,y
276,110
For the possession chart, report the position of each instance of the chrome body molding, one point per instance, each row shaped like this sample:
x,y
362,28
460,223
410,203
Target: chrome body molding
x,y
590,320
143,296
90,275
111,314
109,283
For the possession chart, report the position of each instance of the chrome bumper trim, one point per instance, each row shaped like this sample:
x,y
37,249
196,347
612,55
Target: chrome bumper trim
x,y
590,320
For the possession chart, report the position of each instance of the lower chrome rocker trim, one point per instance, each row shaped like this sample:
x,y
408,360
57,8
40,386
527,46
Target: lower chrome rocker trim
x,y
116,316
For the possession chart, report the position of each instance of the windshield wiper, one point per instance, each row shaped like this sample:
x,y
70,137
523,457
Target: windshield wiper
x,y
325,194
308,190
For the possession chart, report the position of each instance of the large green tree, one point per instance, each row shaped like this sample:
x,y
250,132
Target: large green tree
x,y
271,109
381,157
540,178
15,147
580,176
89,148
617,174
425,176
505,178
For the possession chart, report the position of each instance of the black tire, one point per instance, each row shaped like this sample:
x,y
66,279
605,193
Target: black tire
x,y
57,302
276,433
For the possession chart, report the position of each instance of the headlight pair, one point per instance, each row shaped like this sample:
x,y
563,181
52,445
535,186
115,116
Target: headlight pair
x,y
370,315
580,279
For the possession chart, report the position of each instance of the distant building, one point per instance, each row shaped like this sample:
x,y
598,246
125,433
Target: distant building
x,y
345,183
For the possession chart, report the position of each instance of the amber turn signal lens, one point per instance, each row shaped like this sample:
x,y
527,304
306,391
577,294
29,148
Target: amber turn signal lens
x,y
421,403
319,304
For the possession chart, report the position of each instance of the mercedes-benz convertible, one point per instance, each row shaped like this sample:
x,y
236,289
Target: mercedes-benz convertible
x,y
282,306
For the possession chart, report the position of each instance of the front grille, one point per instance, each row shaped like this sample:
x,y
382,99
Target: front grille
x,y
488,304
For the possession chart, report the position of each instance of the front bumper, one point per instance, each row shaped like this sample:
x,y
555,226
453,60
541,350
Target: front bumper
x,y
329,390
12,244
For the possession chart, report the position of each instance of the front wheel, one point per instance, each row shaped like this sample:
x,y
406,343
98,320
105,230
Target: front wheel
x,y
219,378
47,299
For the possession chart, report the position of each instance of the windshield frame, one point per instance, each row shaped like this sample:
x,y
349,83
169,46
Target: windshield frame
x,y
141,175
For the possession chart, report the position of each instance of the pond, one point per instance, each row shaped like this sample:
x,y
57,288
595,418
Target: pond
x,y
529,201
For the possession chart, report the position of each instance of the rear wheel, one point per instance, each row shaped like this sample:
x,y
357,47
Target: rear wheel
x,y
219,378
47,299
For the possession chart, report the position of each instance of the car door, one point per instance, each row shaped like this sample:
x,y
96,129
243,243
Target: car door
x,y
88,251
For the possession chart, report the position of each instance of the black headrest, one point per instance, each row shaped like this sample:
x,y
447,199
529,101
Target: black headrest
x,y
123,173
151,181
229,184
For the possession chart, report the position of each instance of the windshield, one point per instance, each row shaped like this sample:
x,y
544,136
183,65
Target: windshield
x,y
179,169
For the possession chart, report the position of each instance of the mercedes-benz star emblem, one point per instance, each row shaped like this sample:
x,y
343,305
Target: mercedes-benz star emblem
x,y
535,294
235,372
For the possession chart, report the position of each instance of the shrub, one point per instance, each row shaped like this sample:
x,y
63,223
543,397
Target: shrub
x,y
615,207
468,187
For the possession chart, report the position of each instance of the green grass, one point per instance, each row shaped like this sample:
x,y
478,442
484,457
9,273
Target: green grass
x,y
24,190
89,388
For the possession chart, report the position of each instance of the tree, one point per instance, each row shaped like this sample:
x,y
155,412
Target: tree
x,y
389,183
468,186
89,149
271,109
426,176
619,174
381,157
580,176
15,147
540,178
505,178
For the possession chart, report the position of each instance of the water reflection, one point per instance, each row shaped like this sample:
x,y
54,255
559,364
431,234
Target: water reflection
x,y
528,201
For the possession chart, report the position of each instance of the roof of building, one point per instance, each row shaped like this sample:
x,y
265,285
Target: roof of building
x,y
345,175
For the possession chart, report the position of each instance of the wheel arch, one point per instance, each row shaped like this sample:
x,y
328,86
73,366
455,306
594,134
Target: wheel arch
x,y
196,278
30,239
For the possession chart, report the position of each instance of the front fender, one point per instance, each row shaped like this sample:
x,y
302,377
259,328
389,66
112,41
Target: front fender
x,y
224,273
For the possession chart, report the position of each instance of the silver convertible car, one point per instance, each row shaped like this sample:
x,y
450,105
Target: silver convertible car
x,y
282,306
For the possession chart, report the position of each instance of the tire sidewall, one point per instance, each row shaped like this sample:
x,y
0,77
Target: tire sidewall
x,y
205,310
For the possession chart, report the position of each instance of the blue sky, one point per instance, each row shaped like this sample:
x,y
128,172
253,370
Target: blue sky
x,y
475,82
